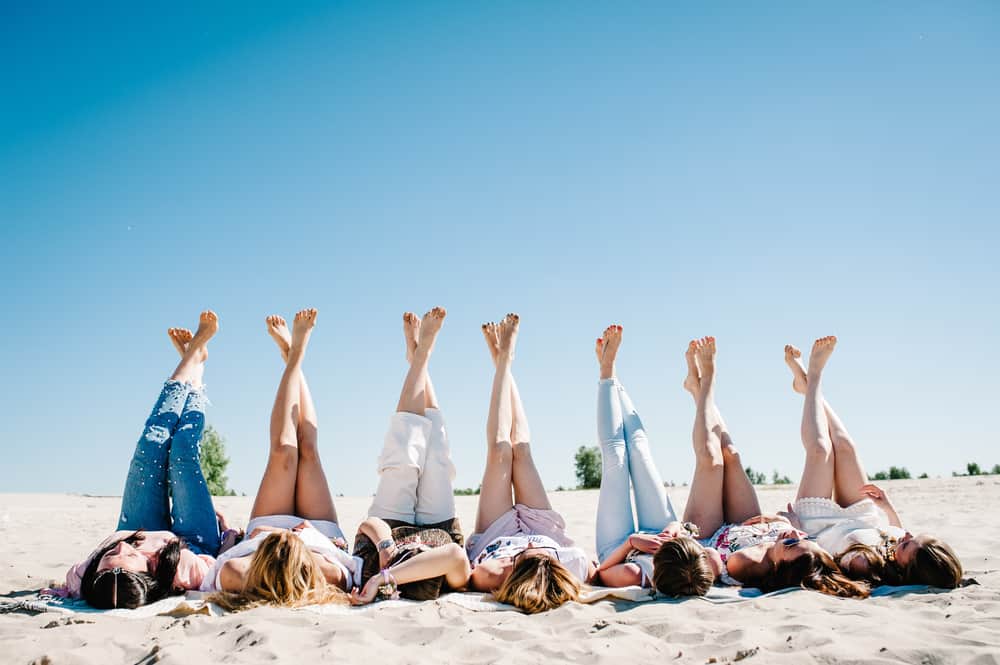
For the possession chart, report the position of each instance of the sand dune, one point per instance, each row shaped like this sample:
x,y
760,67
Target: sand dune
x,y
40,535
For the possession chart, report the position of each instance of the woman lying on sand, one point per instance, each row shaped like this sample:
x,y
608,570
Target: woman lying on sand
x,y
849,517
624,548
745,548
295,553
160,548
412,540
520,550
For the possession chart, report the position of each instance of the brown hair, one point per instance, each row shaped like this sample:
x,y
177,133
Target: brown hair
x,y
877,571
681,568
934,564
283,573
814,570
537,584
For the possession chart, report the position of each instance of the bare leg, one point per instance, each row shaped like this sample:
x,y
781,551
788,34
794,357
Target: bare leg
x,y
704,505
191,368
495,495
849,473
411,332
276,495
313,499
818,474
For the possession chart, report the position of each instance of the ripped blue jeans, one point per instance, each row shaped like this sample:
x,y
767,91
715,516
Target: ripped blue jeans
x,y
166,465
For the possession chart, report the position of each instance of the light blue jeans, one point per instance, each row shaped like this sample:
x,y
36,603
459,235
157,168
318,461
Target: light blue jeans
x,y
626,461
166,465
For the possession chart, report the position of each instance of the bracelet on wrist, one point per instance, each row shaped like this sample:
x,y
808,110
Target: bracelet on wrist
x,y
388,589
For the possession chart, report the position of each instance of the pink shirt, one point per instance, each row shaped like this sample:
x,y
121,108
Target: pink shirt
x,y
191,567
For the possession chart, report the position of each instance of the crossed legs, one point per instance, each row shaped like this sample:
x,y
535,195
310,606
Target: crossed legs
x,y
510,468
294,482
720,490
833,468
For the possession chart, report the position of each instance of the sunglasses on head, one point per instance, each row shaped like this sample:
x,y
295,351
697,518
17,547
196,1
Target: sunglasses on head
x,y
788,542
535,549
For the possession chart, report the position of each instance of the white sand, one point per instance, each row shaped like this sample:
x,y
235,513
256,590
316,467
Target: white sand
x,y
41,535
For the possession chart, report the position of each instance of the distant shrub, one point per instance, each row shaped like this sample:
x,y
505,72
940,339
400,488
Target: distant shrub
x,y
922,476
213,460
898,473
756,477
588,467
780,480
995,470
468,491
973,469
879,475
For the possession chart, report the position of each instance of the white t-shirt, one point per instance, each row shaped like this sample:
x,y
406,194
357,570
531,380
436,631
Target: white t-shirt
x,y
573,558
318,539
836,528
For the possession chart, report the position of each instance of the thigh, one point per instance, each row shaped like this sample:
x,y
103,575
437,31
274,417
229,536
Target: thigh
x,y
495,491
739,498
313,500
817,476
849,474
615,521
704,504
528,486
276,495
435,488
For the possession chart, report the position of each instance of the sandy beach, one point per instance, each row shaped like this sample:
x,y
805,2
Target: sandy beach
x,y
42,534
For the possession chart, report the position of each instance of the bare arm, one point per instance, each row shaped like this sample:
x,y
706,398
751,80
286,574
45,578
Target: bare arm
x,y
447,560
621,575
232,575
377,530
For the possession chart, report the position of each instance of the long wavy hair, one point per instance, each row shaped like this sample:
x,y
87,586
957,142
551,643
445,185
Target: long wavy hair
x,y
282,573
934,564
113,589
814,570
681,568
537,584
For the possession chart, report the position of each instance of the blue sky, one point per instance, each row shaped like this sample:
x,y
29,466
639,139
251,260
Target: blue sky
x,y
762,174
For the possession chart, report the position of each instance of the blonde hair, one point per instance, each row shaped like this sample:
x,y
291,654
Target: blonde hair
x,y
875,572
282,573
537,584
681,568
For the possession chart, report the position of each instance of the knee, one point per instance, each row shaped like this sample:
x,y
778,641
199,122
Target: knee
x,y
818,448
731,456
283,455
521,452
843,445
501,452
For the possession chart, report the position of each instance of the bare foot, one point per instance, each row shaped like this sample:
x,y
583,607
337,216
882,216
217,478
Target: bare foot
x,y
278,330
492,342
430,326
411,333
692,382
705,356
821,352
611,341
180,338
208,325
793,358
507,335
301,329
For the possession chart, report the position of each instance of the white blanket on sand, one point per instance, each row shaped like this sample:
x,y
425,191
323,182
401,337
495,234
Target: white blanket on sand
x,y
193,602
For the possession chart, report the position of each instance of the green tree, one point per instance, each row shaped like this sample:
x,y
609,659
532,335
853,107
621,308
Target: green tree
x,y
898,473
780,480
995,470
756,477
879,475
588,467
973,469
214,462
923,475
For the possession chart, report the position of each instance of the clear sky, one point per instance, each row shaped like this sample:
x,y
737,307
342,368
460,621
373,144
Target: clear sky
x,y
765,174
